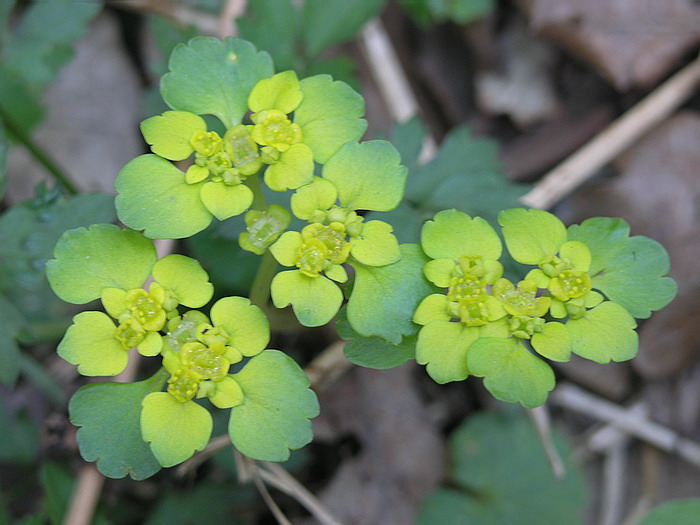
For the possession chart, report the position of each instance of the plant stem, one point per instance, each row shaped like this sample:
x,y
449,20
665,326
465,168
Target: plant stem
x,y
260,290
259,202
37,153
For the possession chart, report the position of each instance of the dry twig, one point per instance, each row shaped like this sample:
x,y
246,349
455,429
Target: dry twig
x,y
617,137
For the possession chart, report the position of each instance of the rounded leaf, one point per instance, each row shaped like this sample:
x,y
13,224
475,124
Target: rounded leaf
x,y
280,91
225,201
174,430
510,372
531,235
553,342
453,233
368,175
313,198
329,115
88,260
432,308
376,245
215,77
606,333
294,168
286,249
315,300
90,343
169,134
153,196
185,278
443,347
246,325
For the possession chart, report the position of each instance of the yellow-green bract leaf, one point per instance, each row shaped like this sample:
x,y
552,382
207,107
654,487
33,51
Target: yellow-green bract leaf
x,y
313,198
368,175
153,196
578,253
185,278
210,76
606,333
174,430
510,372
294,169
169,134
628,270
90,343
104,255
280,91
108,415
531,235
246,325
315,300
432,308
286,249
453,233
443,347
329,115
277,406
384,298
439,271
376,245
225,201
553,342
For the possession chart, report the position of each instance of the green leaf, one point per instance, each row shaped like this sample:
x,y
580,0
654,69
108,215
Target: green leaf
x,y
384,298
18,101
3,160
628,270
452,234
57,483
281,92
11,322
225,201
185,278
91,344
531,235
246,325
373,352
210,76
461,11
20,436
368,175
553,342
330,22
606,333
376,245
274,417
443,346
294,169
37,54
677,512
108,415
219,502
487,451
170,134
329,115
153,196
174,430
273,25
315,300
88,260
315,197
510,372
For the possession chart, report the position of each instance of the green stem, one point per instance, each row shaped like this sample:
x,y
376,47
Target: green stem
x,y
259,202
260,290
39,155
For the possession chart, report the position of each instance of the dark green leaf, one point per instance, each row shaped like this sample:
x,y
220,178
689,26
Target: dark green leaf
x,y
373,352
628,270
18,102
216,502
58,486
213,77
274,416
273,25
461,11
37,52
330,22
11,322
3,160
678,512
108,415
499,463
384,298
20,437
